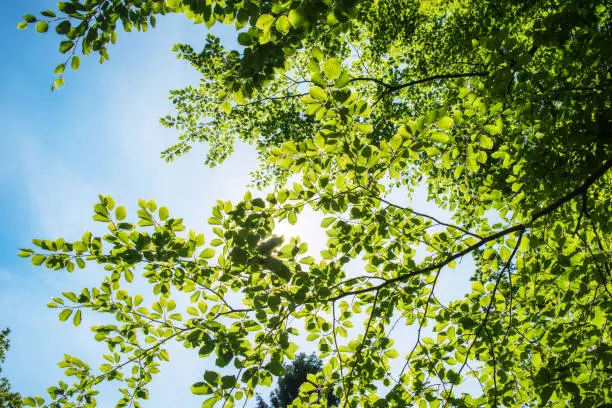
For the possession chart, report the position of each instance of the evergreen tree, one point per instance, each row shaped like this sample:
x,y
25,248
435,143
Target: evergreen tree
x,y
296,373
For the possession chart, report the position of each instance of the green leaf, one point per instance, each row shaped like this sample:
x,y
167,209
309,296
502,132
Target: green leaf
x,y
22,25
278,268
163,213
571,387
25,253
173,3
211,377
486,142
445,122
265,37
246,40
318,93
76,320
308,387
75,62
201,388
48,13
65,314
38,259
478,287
226,108
70,296
292,217
29,402
120,213
343,80
63,27
492,129
163,355
29,18
206,349
42,27
317,54
332,69
545,394
505,253
228,381
66,46
264,22
283,25
439,137
364,127
326,222
210,403
151,205
295,18
207,253
80,263
391,353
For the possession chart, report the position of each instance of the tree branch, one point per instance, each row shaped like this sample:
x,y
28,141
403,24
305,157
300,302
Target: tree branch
x,y
434,219
575,193
270,98
582,189
392,88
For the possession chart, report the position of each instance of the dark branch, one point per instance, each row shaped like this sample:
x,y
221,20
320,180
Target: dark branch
x,y
270,98
582,189
392,88
577,192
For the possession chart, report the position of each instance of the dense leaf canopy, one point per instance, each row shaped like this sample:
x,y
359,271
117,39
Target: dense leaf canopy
x,y
501,110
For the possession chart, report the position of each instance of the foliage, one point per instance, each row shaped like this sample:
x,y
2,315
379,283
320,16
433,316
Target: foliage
x,y
296,373
8,399
502,110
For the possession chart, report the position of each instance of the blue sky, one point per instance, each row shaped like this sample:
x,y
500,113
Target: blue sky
x,y
99,134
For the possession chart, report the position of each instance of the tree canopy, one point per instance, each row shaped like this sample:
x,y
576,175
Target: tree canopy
x,y
8,399
502,111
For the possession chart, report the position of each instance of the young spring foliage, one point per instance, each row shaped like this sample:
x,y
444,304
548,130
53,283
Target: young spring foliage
x,y
502,111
